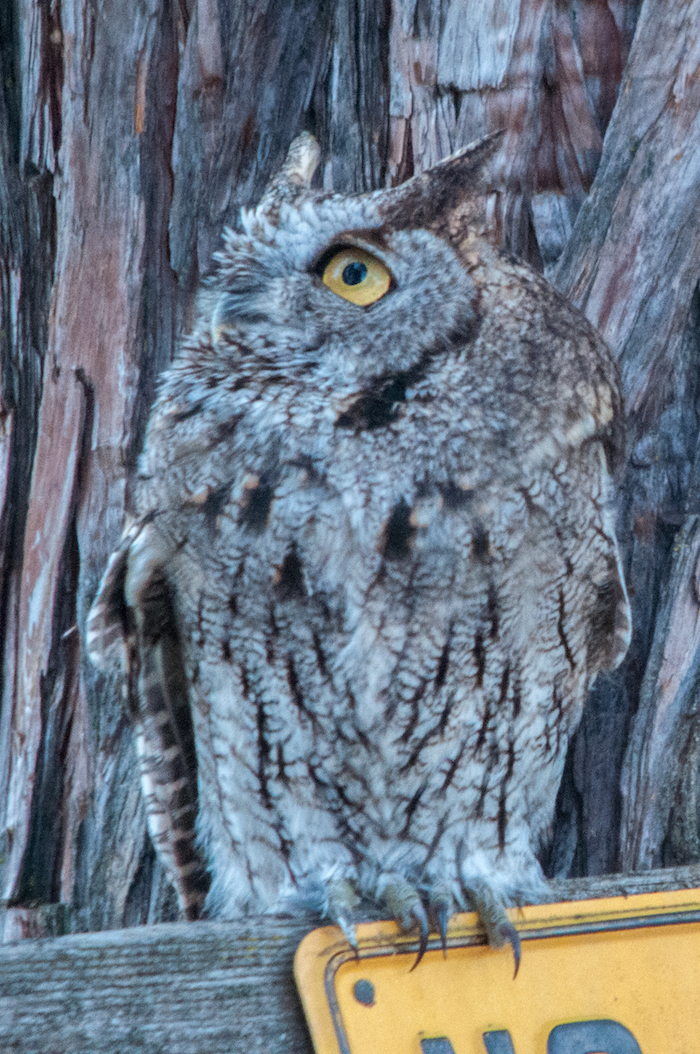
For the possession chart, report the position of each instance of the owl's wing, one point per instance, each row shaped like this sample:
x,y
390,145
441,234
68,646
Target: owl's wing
x,y
132,621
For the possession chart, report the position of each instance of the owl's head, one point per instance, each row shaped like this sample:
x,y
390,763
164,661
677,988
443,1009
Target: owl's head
x,y
350,287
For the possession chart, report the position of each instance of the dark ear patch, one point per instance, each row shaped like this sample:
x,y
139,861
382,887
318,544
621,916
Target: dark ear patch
x,y
398,532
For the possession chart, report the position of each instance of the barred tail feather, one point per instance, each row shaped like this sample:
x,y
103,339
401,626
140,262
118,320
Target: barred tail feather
x,y
165,742
132,620
106,626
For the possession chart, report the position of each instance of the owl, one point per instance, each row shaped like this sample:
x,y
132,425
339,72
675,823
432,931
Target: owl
x,y
372,570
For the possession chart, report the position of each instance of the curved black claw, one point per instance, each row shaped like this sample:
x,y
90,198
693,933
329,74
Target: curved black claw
x,y
350,935
508,934
499,929
443,918
441,907
420,918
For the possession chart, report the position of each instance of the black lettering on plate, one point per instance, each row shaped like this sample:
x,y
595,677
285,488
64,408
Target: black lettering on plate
x,y
498,1042
438,1045
582,1037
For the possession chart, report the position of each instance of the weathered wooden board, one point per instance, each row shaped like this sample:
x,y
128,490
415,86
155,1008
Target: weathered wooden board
x,y
187,988
174,987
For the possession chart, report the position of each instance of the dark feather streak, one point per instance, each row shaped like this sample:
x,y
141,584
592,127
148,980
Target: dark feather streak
x,y
517,696
398,532
452,769
492,611
562,632
411,808
443,662
454,497
320,657
481,738
255,508
281,764
484,788
415,712
479,653
480,542
263,755
505,681
503,797
290,583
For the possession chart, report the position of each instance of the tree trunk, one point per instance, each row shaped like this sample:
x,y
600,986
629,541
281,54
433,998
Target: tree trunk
x,y
130,134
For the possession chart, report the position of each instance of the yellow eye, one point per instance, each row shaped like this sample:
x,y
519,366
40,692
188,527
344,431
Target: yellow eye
x,y
357,276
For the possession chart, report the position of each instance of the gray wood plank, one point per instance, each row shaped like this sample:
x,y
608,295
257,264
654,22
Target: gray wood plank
x,y
181,988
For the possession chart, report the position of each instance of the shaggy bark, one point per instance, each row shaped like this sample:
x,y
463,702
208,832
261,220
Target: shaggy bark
x,y
130,134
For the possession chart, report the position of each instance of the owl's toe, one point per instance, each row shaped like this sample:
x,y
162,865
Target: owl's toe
x,y
342,901
492,915
404,902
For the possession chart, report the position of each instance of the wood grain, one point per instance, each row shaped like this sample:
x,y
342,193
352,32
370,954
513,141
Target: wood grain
x,y
632,263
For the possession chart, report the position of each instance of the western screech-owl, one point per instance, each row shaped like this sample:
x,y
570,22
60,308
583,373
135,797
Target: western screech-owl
x,y
373,570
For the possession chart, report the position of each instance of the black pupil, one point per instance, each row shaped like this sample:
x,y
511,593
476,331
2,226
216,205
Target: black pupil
x,y
355,273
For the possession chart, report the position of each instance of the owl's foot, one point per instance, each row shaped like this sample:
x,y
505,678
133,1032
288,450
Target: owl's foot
x,y
406,906
342,901
492,915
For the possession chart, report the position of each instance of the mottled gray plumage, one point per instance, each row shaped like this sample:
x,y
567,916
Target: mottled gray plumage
x,y
374,557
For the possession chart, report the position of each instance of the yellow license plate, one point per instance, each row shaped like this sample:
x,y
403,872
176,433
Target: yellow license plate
x,y
614,976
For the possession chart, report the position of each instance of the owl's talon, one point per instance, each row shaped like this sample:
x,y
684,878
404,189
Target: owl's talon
x,y
509,935
420,919
348,929
404,903
441,910
492,915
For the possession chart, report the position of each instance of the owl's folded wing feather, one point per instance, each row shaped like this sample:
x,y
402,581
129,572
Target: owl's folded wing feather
x,y
132,621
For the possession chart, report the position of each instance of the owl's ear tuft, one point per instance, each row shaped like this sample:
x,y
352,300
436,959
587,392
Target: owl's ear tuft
x,y
295,175
302,160
473,156
446,190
